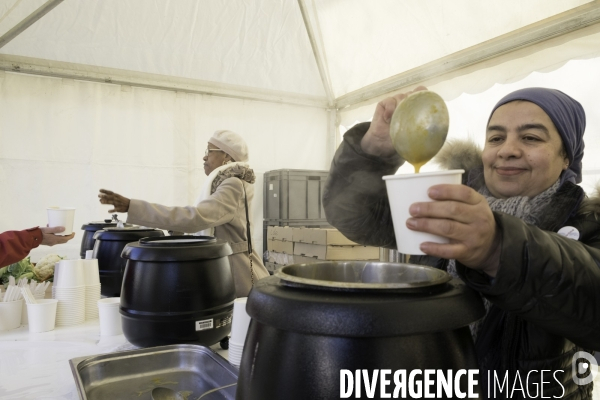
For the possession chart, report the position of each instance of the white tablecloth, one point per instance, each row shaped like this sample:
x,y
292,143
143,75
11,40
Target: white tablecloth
x,y
36,365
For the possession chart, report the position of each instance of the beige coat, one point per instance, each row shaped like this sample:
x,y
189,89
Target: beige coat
x,y
225,211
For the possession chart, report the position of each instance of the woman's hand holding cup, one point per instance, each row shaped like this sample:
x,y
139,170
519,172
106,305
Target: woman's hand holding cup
x,y
464,217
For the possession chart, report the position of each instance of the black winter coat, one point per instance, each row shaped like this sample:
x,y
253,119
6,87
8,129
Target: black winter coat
x,y
546,295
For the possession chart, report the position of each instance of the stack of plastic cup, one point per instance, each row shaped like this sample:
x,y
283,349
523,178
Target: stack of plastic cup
x,y
92,286
42,315
239,328
10,314
69,290
110,317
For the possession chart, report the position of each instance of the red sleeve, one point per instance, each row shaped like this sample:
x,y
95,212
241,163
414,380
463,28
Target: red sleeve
x,y
16,245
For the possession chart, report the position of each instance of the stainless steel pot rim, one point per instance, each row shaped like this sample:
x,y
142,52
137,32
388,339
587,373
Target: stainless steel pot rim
x,y
361,275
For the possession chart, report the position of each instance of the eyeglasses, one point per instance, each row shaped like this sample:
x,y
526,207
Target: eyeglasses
x,y
207,151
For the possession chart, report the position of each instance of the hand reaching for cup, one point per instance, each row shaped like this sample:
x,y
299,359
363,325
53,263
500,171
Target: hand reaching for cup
x,y
50,239
377,140
119,203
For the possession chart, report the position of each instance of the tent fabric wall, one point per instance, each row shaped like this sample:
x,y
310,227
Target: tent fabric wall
x,y
61,140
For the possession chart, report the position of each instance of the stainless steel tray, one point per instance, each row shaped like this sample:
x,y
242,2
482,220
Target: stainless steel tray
x,y
191,370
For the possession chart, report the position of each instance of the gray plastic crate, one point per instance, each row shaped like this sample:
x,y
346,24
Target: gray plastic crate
x,y
294,194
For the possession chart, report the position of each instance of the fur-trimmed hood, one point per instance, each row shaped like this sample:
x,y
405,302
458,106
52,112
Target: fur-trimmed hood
x,y
466,154
459,154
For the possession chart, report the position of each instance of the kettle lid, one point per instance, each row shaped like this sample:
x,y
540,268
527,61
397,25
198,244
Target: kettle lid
x,y
127,233
97,225
177,248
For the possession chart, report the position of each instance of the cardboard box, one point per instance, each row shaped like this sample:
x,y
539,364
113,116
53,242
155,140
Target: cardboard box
x,y
323,236
287,259
326,237
305,260
280,246
298,234
333,253
279,233
280,258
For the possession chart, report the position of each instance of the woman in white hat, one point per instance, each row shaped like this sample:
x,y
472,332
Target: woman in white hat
x,y
222,209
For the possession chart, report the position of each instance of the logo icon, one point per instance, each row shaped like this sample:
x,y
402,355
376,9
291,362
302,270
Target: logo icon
x,y
581,364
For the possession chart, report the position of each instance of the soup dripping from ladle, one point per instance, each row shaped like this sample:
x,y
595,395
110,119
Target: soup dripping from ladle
x,y
419,127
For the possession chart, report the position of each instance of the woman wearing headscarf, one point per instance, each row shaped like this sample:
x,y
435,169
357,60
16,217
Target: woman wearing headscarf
x,y
520,230
222,209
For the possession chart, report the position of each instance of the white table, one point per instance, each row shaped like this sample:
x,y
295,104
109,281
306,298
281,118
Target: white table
x,y
36,365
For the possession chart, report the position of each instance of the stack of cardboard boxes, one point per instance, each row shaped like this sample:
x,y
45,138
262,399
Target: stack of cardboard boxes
x,y
288,245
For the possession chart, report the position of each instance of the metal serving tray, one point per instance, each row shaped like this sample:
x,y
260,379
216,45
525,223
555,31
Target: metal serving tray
x,y
189,369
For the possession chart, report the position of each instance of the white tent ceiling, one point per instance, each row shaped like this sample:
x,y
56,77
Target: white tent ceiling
x,y
302,51
159,76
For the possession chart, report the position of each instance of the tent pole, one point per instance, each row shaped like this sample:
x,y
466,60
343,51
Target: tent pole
x,y
333,127
28,21
316,43
65,70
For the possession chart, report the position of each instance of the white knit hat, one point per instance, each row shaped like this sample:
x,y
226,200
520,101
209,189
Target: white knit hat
x,y
232,144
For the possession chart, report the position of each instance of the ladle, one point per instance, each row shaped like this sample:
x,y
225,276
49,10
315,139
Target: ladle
x,y
163,393
419,127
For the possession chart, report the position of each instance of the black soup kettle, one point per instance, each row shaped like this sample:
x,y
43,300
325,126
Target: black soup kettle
x,y
311,321
177,289
109,243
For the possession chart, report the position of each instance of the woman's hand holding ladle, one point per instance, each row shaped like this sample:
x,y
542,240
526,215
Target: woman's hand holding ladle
x,y
377,140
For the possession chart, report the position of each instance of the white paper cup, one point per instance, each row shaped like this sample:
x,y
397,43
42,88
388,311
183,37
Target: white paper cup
x,y
110,318
240,322
10,314
406,189
69,274
42,316
61,216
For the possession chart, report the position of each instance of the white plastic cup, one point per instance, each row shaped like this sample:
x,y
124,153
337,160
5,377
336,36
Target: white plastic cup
x,y
69,274
240,322
406,189
110,318
61,216
91,272
24,316
48,293
10,314
42,316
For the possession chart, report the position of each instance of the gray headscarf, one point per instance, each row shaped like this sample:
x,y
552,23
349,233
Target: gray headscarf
x,y
568,117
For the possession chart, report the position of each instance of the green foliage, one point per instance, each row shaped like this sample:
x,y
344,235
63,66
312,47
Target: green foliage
x,y
20,269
